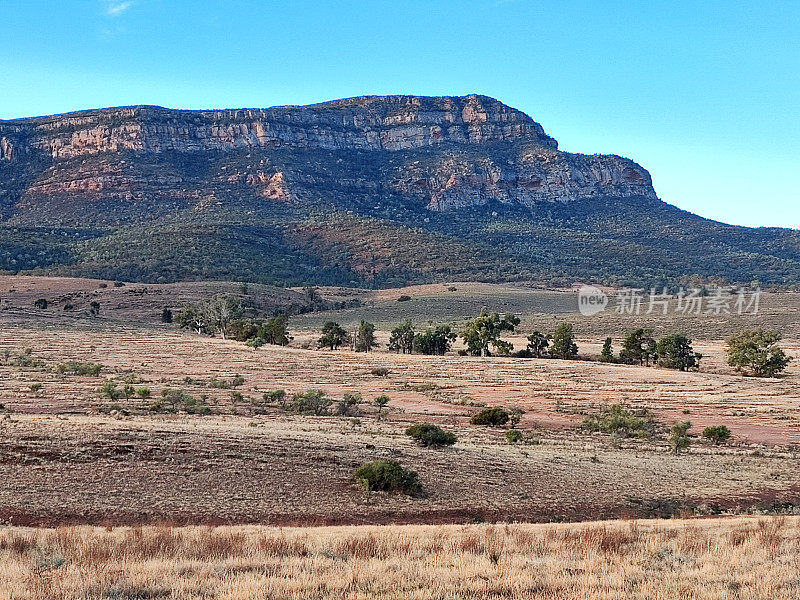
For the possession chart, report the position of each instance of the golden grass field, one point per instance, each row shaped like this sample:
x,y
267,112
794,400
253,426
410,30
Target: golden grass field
x,y
712,559
187,504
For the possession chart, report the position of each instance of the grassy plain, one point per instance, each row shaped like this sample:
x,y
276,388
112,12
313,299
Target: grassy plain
x,y
712,559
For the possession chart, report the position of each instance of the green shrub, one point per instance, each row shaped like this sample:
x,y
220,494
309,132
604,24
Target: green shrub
x,y
80,368
387,476
679,436
312,402
404,298
615,419
717,434
513,436
428,434
109,390
275,397
494,416
173,400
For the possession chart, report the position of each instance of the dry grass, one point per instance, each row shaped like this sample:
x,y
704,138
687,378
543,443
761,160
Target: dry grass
x,y
656,560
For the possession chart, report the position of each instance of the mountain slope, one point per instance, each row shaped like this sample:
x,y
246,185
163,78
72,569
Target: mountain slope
x,y
365,191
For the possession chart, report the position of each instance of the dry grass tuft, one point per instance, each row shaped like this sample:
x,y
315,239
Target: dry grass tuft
x,y
714,559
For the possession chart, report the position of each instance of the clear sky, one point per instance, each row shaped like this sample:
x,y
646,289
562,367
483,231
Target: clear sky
x,y
706,95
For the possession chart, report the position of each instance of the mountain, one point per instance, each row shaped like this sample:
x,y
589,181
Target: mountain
x,y
370,191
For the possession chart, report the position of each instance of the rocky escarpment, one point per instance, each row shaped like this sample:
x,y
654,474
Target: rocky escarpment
x,y
363,191
452,125
370,123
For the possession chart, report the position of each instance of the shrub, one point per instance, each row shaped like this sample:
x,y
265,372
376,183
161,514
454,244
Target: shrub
x,y
80,368
404,298
380,371
173,400
615,419
513,436
143,393
493,416
94,308
109,390
428,434
35,387
275,397
387,476
348,407
381,402
40,303
166,315
717,434
679,436
311,402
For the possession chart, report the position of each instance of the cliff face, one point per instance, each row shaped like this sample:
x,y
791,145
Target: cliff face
x,y
447,126
365,191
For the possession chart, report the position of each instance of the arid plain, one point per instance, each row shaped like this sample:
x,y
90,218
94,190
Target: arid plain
x,y
71,457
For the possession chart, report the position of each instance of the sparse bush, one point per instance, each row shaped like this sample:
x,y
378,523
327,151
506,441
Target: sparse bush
x,y
275,397
143,393
35,387
311,402
94,308
40,303
381,402
717,434
515,416
80,368
513,436
173,400
494,416
679,436
404,298
348,407
617,420
428,434
387,476
380,371
110,390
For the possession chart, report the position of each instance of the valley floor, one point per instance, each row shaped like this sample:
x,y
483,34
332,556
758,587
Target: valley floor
x,y
709,559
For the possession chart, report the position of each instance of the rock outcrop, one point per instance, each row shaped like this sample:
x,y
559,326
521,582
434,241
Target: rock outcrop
x,y
464,132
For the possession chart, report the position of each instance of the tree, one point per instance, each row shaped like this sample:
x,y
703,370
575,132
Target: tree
x,y
333,335
434,341
381,402
607,353
275,331
402,338
219,312
679,436
564,345
717,434
675,352
756,351
387,476
492,416
166,315
191,318
486,329
639,347
538,343
365,337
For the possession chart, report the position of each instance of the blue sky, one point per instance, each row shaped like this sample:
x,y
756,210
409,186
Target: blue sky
x,y
706,95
